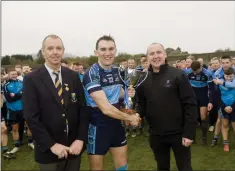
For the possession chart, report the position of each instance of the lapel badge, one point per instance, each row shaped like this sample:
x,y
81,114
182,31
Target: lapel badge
x,y
73,97
66,87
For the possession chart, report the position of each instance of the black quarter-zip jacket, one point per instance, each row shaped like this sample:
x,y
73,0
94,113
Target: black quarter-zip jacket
x,y
167,101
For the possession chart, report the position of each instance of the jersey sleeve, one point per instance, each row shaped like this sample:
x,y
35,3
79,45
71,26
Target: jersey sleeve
x,y
91,81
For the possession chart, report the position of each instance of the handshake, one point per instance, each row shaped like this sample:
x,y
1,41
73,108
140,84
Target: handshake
x,y
63,151
133,117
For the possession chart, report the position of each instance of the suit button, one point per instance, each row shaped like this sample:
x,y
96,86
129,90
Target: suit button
x,y
63,115
65,130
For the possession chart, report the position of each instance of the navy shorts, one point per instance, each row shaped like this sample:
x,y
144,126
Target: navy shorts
x,y
202,96
229,116
14,117
101,138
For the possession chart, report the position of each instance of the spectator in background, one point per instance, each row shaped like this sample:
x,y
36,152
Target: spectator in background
x,y
13,94
18,69
177,64
189,61
182,64
233,61
123,64
64,63
131,64
78,68
202,62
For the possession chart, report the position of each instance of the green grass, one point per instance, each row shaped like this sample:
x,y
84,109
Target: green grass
x,y
141,157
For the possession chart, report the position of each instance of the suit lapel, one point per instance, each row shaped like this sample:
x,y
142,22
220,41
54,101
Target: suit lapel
x,y
46,78
65,83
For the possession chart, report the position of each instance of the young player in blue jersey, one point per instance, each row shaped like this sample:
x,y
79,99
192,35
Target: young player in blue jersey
x,y
227,103
103,89
199,78
13,94
226,62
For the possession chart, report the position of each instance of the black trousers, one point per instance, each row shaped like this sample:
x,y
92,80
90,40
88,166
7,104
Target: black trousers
x,y
65,165
21,129
161,146
213,116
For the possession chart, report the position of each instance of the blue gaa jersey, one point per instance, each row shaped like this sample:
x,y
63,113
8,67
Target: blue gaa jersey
x,y
95,79
220,73
227,94
199,80
16,87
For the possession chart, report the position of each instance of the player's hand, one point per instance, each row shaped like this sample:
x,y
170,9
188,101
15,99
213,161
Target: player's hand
x,y
228,109
12,94
218,81
131,91
134,119
60,150
186,142
209,106
76,147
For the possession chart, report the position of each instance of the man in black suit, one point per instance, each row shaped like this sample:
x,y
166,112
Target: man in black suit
x,y
55,110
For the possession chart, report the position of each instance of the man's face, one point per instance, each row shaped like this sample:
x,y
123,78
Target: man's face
x,y
226,63
233,61
26,69
142,59
75,68
13,75
156,55
106,52
201,61
145,65
182,64
124,64
80,69
131,64
215,65
188,63
53,51
229,78
18,69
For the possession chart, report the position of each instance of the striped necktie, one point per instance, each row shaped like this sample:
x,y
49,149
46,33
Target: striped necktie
x,y
58,87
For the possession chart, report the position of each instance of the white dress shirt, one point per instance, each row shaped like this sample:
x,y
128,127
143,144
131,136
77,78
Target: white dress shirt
x,y
53,76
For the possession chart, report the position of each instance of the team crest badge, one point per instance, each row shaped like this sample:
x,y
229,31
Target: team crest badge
x,y
73,97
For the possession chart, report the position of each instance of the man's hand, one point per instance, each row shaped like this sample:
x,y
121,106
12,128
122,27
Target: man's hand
x,y
134,119
209,106
131,91
228,109
186,142
12,94
60,150
218,81
76,147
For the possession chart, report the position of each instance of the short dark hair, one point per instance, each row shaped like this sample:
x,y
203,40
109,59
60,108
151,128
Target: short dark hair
x,y
226,57
76,63
229,71
10,70
195,65
106,38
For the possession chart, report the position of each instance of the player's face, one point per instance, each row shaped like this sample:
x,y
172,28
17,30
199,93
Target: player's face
x,y
106,52
215,65
80,69
183,64
131,64
156,55
13,75
226,63
53,51
229,78
188,63
75,68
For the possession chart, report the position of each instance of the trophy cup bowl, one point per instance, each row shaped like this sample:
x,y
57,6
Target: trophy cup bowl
x,y
133,80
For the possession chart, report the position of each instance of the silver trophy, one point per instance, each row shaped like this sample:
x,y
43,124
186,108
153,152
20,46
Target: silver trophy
x,y
132,79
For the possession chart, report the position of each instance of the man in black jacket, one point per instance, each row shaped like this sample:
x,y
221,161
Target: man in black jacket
x,y
55,111
167,101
